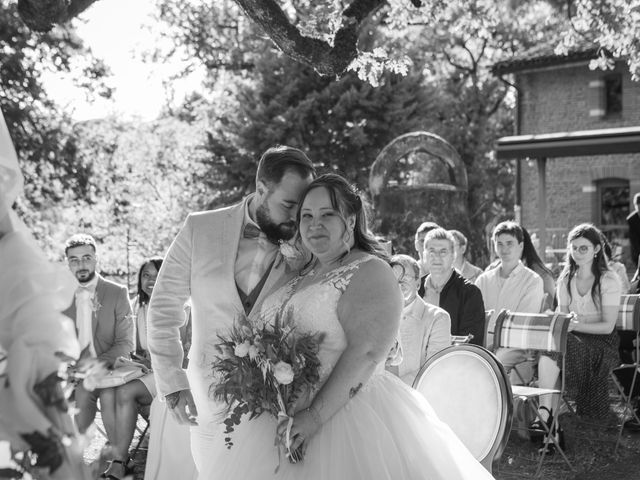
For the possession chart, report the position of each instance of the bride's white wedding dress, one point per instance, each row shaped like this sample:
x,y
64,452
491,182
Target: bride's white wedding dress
x,y
386,431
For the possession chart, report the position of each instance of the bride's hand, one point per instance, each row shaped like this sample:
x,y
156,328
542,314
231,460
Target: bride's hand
x,y
305,425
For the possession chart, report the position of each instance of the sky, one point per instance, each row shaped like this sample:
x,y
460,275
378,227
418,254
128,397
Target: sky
x,y
117,31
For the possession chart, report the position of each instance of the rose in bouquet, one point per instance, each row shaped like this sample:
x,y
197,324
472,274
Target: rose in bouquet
x,y
265,368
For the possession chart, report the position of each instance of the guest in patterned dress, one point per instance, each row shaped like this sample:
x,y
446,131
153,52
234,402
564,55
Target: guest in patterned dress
x,y
588,288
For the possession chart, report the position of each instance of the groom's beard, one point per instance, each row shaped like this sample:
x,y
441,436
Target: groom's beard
x,y
274,231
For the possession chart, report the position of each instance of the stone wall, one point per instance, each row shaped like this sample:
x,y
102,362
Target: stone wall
x,y
558,99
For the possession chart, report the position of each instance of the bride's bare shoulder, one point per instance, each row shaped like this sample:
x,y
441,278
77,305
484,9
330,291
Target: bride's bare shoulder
x,y
373,276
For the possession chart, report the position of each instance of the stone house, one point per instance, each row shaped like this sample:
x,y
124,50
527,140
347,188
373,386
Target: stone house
x,y
577,146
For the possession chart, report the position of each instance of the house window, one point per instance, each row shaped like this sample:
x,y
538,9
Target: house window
x,y
613,94
613,208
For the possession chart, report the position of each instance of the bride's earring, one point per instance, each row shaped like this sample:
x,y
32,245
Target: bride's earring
x,y
346,237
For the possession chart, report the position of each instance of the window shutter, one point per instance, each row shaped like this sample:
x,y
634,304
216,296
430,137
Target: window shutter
x,y
597,98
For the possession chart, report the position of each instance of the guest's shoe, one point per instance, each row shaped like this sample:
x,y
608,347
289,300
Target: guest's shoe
x,y
557,434
632,425
116,470
536,431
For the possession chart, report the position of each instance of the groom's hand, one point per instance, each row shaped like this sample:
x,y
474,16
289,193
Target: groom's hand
x,y
182,407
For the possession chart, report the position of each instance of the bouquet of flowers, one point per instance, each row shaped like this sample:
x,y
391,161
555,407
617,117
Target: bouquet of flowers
x,y
36,419
265,369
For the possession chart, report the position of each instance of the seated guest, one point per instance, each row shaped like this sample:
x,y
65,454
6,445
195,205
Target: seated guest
x,y
102,315
466,269
448,289
424,329
532,260
510,286
418,243
139,392
588,288
615,266
634,286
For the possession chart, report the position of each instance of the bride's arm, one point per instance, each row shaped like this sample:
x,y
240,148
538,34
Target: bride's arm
x,y
369,312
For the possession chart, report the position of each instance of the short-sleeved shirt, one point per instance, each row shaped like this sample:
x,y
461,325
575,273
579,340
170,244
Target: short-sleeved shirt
x,y
610,291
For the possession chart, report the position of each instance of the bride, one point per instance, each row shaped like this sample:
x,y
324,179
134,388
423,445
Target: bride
x,y
361,422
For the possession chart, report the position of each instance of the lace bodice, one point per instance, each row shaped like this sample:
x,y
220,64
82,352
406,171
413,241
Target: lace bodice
x,y
314,309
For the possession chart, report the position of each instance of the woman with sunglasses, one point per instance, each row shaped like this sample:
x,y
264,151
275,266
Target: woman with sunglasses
x,y
590,289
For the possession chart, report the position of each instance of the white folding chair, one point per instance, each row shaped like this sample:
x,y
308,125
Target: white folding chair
x,y
469,391
628,320
544,333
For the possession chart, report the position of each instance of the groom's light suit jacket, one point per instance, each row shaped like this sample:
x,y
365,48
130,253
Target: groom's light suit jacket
x,y
200,266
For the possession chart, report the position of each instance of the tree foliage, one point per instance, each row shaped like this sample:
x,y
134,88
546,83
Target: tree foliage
x,y
344,123
40,131
143,180
327,35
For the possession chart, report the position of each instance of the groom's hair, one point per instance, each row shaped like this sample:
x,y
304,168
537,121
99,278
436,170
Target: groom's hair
x,y
277,161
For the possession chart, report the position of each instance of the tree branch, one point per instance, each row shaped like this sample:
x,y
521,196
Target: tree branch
x,y
325,58
455,64
41,15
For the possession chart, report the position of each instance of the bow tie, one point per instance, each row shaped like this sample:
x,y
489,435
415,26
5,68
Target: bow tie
x,y
251,231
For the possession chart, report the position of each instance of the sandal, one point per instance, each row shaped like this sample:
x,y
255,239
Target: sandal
x,y
116,470
536,431
548,445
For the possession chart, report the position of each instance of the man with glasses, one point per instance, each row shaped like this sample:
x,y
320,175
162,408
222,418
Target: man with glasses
x,y
446,288
102,315
424,329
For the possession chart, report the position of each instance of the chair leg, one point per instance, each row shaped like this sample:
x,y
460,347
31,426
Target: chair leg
x,y
549,437
627,406
140,439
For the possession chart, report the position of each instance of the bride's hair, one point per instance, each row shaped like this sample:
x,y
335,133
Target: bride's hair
x,y
347,201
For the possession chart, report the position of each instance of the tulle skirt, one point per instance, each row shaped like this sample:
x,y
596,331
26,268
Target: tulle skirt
x,y
386,432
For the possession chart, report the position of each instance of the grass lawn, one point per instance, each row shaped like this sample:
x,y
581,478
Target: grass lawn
x,y
589,447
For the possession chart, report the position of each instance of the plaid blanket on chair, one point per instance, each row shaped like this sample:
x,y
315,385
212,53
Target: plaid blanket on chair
x,y
629,313
531,331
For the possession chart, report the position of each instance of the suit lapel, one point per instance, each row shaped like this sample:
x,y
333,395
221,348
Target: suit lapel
x,y
98,299
229,246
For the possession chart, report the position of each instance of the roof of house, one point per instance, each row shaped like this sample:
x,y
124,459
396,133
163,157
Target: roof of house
x,y
543,56
570,144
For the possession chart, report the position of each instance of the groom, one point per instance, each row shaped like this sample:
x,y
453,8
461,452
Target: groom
x,y
225,261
